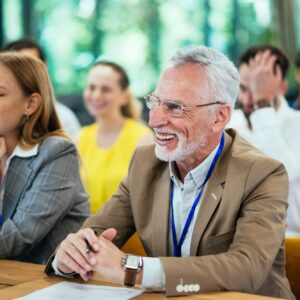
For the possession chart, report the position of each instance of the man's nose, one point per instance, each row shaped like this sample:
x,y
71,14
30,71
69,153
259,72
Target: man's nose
x,y
157,117
248,98
245,97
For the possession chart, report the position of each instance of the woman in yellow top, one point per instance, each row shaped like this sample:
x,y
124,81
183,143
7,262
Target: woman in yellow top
x,y
106,146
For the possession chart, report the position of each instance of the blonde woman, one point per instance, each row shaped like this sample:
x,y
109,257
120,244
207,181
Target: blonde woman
x,y
42,198
106,146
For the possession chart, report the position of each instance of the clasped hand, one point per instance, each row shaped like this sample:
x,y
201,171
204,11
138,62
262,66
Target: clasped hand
x,y
83,252
264,76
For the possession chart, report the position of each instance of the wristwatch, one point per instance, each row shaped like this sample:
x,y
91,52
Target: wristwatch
x,y
132,265
262,103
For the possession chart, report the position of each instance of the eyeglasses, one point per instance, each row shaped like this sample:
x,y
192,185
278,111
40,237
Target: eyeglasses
x,y
172,108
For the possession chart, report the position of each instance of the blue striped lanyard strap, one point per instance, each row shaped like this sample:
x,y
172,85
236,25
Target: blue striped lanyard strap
x,y
177,246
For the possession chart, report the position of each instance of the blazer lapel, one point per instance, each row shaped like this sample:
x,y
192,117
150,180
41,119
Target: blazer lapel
x,y
17,176
211,198
161,213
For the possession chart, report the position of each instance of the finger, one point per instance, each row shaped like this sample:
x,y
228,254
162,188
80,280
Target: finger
x,y
89,235
258,57
270,63
109,234
278,72
80,244
84,275
105,245
67,262
76,255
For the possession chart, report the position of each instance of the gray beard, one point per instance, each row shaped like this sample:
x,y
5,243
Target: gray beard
x,y
182,151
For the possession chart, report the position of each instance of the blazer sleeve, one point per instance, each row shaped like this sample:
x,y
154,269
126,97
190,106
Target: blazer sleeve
x,y
260,229
46,200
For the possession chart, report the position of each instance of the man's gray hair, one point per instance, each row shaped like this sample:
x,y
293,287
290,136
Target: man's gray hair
x,y
223,76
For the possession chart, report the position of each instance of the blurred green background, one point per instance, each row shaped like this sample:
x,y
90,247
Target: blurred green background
x,y
142,34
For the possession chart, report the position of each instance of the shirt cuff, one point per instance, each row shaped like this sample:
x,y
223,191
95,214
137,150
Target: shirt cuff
x,y
153,274
58,273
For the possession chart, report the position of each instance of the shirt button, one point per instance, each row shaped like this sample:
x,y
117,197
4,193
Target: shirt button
x,y
191,288
179,288
196,287
186,288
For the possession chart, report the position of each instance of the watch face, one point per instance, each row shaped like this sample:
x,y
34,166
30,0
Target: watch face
x,y
132,262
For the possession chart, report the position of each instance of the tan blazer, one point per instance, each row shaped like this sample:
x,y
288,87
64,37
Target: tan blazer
x,y
237,242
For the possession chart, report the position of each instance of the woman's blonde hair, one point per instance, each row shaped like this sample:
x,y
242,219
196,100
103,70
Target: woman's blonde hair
x,y
132,108
32,76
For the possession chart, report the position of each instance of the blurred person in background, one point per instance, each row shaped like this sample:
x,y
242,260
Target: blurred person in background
x,y
106,146
266,120
42,198
68,119
297,77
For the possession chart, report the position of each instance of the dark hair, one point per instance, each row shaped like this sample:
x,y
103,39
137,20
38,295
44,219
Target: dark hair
x,y
282,60
297,61
124,80
132,109
25,43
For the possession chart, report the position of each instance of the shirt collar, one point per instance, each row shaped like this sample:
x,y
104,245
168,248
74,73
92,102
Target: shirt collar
x,y
24,153
283,109
197,174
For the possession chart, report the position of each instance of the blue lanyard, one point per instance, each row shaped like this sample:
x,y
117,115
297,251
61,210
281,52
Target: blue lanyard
x,y
1,219
177,246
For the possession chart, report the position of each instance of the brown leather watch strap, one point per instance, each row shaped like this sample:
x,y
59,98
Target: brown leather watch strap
x,y
130,275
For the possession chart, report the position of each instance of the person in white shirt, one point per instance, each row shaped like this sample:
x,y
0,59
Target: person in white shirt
x,y
209,208
266,120
68,119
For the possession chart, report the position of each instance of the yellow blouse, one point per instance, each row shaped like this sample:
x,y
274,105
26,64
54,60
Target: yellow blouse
x,y
102,169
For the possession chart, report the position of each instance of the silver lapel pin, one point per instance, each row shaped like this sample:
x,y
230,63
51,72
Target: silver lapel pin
x,y
214,196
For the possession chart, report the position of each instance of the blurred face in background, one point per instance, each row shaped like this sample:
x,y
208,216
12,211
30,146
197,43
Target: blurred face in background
x,y
13,103
245,96
103,95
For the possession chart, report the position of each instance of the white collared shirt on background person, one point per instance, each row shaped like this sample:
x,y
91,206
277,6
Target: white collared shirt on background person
x,y
277,134
68,120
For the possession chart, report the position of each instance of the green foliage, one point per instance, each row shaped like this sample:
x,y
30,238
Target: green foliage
x,y
139,34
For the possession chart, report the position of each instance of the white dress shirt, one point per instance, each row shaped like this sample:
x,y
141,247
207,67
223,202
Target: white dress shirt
x,y
277,133
68,120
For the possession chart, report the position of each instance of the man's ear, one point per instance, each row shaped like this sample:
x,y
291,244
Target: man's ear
x,y
223,114
284,87
33,103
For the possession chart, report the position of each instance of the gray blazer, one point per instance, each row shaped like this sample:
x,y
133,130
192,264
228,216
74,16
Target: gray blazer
x,y
44,200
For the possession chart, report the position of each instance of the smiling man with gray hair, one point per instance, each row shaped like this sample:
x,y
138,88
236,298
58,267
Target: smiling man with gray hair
x,y
209,208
